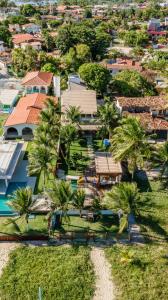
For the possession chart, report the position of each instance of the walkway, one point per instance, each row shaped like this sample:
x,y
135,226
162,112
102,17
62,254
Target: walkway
x,y
5,249
104,284
90,171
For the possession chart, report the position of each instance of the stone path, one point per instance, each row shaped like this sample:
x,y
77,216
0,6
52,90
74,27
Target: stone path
x,y
104,284
90,171
5,249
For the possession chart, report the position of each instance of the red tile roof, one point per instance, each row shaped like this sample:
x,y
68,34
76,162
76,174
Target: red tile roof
x,y
123,64
23,37
28,110
37,79
147,103
149,122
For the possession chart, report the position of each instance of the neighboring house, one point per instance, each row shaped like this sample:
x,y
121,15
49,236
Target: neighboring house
x,y
152,112
25,116
77,95
116,66
14,28
10,153
8,98
31,28
35,45
2,47
37,82
23,40
154,25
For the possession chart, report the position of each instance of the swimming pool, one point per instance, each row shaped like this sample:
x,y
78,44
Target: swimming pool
x,y
5,210
74,184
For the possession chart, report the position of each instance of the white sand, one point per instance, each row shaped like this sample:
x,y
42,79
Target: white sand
x,y
5,249
104,285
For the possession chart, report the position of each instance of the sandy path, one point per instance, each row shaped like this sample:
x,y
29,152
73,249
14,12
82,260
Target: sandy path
x,y
104,284
5,249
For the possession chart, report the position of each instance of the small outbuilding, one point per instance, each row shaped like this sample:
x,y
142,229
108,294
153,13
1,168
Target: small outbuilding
x,y
108,170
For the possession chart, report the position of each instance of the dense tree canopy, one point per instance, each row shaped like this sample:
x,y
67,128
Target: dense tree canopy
x,y
5,35
95,76
131,83
70,35
28,10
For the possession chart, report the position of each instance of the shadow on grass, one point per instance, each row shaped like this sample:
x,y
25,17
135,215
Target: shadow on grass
x,y
153,223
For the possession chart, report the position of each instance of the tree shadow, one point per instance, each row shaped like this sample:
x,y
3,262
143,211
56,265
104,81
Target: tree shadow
x,y
153,223
142,181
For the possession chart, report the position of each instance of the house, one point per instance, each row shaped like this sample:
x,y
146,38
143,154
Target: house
x,y
24,39
2,47
154,25
10,153
25,116
8,98
14,28
77,95
151,110
37,82
31,28
108,170
120,64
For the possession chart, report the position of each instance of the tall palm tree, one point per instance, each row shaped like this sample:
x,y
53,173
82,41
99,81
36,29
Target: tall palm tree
x,y
78,200
108,116
22,202
73,114
61,195
129,142
40,160
161,158
68,134
125,198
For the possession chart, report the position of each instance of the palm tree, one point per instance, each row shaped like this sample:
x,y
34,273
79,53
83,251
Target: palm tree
x,y
125,198
22,202
78,200
161,158
73,114
68,134
129,142
40,160
108,116
61,195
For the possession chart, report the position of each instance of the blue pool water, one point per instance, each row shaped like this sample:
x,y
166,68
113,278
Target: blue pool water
x,y
13,186
74,184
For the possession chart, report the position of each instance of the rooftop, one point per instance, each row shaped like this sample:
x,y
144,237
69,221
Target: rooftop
x,y
9,155
27,110
149,122
106,165
7,96
149,102
77,95
22,37
37,79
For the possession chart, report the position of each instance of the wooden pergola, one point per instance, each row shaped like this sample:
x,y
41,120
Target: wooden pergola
x,y
107,168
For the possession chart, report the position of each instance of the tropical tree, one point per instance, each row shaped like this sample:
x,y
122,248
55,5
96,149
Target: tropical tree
x,y
160,158
125,199
108,117
95,76
22,202
129,143
73,114
41,160
79,199
61,195
68,134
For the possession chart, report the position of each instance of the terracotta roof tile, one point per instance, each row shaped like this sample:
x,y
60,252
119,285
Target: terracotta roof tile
x,y
146,103
37,78
149,122
28,110
23,37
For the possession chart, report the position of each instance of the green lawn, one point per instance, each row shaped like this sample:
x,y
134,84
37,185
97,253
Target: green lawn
x,y
79,159
3,118
79,224
145,277
38,225
154,220
61,272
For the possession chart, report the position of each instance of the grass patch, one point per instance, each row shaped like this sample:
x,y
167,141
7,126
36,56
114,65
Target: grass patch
x,y
62,273
37,226
144,277
154,221
105,223
79,159
3,118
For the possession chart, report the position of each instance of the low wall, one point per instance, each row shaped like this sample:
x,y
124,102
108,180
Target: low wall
x,y
16,238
